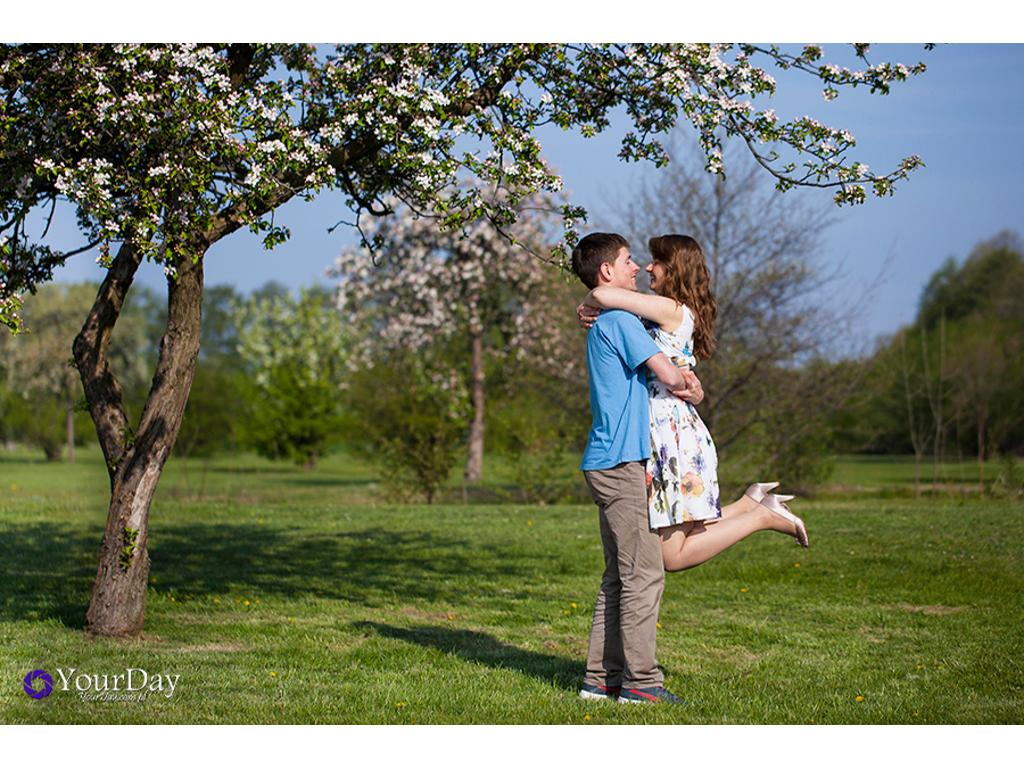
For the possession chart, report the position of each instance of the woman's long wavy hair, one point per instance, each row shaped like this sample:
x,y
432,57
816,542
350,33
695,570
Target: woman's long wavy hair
x,y
688,282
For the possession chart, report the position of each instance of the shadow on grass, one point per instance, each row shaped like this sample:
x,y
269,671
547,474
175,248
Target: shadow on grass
x,y
481,648
27,460
510,493
331,482
283,469
47,571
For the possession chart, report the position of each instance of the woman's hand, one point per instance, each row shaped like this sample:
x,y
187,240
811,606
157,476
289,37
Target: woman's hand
x,y
586,315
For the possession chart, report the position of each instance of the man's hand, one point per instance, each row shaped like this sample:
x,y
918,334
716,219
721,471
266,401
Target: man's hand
x,y
691,391
681,382
586,315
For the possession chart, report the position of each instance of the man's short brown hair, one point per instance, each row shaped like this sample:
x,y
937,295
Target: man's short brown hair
x,y
592,251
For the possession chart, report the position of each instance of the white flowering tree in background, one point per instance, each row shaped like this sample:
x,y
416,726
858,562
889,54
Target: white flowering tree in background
x,y
165,150
424,287
294,352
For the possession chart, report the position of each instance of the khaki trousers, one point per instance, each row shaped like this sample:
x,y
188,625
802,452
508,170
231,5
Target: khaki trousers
x,y
624,632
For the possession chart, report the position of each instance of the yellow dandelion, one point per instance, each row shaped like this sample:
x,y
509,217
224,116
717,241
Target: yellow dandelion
x,y
657,624
587,718
573,605
796,565
273,674
451,616
246,602
400,705
529,523
216,600
291,619
744,589
858,698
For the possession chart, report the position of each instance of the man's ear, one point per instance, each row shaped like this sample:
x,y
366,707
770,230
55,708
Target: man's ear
x,y
604,270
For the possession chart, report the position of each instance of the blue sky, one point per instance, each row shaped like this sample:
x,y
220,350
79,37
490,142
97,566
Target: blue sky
x,y
964,117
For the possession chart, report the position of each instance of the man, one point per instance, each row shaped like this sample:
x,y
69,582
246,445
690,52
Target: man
x,y
621,656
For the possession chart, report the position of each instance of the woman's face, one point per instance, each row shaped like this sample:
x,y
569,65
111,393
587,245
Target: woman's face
x,y
656,272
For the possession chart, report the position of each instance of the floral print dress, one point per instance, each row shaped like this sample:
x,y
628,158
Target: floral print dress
x,y
682,473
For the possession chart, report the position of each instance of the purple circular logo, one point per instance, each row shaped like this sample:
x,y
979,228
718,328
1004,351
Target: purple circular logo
x,y
30,688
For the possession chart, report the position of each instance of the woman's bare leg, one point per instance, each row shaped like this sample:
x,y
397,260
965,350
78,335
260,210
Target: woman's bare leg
x,y
684,546
742,505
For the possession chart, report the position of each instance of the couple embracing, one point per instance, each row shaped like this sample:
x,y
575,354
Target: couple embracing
x,y
650,462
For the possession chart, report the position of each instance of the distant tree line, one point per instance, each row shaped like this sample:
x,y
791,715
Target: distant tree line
x,y
951,384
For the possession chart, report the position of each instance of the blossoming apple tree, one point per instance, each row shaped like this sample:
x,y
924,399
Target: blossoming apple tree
x,y
425,286
164,150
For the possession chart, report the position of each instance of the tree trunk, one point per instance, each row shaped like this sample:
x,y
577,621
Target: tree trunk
x,y
118,602
51,449
981,453
475,460
69,423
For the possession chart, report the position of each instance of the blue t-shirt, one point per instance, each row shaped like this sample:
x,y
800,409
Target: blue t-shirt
x,y
617,346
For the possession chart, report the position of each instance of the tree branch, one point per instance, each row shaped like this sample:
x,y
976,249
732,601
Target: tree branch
x,y
102,390
349,154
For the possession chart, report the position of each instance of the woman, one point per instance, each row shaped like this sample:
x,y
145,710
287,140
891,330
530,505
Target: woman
x,y
683,500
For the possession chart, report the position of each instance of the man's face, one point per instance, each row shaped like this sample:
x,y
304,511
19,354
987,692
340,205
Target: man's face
x,y
622,272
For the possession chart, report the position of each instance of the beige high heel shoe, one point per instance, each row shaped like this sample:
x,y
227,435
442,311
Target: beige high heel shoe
x,y
757,491
777,504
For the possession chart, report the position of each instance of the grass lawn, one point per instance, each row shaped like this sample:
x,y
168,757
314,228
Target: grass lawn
x,y
284,596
